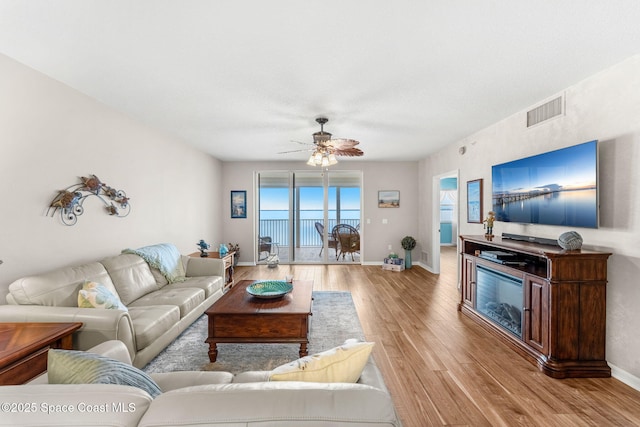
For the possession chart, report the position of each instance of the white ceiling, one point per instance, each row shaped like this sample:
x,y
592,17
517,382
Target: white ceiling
x,y
242,79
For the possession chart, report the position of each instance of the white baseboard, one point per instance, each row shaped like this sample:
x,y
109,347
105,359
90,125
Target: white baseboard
x,y
624,376
379,263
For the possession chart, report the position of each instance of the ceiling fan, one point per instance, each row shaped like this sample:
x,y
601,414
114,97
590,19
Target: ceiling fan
x,y
326,149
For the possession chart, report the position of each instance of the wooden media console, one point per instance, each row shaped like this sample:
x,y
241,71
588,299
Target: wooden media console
x,y
561,322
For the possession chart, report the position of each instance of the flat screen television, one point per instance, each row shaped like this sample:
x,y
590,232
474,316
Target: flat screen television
x,y
554,188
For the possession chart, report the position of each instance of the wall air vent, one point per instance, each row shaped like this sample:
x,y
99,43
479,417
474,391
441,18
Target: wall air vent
x,y
546,111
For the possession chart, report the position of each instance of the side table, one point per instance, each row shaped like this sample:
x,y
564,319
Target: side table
x,y
228,259
24,347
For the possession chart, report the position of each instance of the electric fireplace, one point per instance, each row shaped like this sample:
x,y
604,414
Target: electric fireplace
x,y
499,298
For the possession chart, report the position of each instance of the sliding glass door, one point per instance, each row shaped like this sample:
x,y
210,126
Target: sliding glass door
x,y
297,212
309,213
344,233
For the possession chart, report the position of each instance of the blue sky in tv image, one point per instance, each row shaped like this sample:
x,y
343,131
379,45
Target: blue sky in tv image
x,y
554,188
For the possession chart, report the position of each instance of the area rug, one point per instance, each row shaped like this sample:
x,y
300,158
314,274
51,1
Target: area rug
x,y
333,321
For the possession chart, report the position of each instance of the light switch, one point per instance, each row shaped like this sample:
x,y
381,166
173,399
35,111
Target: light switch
x,y
385,221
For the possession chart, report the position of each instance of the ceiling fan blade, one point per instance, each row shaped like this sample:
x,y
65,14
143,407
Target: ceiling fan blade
x,y
296,151
342,143
303,143
348,152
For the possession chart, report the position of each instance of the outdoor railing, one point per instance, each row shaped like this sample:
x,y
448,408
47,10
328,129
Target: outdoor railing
x,y
278,230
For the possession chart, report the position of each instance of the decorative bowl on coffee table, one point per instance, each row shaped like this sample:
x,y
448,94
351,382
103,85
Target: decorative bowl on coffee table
x,y
268,289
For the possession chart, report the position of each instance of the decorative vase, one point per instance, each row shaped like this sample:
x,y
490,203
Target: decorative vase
x,y
407,259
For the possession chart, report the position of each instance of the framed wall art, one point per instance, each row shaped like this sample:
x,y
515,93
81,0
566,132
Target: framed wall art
x,y
474,201
238,204
389,199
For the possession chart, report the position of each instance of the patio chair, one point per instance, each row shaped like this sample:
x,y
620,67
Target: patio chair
x,y
348,240
333,244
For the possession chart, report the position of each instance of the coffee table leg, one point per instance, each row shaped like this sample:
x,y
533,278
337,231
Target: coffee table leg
x,y
213,352
303,349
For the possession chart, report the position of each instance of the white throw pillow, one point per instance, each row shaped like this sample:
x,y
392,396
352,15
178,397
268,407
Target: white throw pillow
x,y
342,364
95,295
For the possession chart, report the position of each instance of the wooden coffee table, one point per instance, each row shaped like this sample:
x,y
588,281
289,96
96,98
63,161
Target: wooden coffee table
x,y
238,317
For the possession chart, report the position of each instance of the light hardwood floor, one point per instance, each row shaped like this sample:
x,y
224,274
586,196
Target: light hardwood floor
x,y
443,369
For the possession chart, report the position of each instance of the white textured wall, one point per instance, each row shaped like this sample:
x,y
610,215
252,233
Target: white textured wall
x,y
605,107
49,136
376,237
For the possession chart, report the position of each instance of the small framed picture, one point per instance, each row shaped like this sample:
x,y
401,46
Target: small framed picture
x,y
474,201
238,204
389,199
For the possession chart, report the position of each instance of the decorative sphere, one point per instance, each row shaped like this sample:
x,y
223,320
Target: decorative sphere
x,y
570,240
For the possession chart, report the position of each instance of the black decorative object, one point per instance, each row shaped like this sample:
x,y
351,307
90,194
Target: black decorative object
x,y
70,200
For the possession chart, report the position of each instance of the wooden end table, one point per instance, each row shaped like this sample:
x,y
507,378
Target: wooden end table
x,y
24,348
229,261
238,317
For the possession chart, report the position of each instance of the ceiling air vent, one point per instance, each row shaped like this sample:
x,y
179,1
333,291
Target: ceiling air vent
x,y
545,111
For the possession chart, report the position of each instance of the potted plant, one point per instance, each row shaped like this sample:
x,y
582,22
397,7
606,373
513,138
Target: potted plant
x,y
408,244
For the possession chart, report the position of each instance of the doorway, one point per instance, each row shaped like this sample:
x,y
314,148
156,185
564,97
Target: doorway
x,y
445,214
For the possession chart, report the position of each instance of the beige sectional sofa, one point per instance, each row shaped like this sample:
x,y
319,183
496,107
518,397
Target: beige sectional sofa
x,y
156,311
201,399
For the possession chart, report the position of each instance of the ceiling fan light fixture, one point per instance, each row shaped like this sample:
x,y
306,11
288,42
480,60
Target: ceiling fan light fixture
x,y
332,159
322,157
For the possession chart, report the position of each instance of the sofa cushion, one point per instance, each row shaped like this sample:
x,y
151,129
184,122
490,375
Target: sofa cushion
x,y
59,287
210,284
273,404
151,322
342,364
79,367
185,298
96,295
131,276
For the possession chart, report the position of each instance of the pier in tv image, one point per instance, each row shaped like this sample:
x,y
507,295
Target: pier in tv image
x,y
554,188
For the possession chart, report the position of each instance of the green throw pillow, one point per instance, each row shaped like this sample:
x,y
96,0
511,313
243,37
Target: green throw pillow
x,y
95,295
79,367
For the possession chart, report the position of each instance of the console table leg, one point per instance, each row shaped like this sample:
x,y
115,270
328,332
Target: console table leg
x,y
213,352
